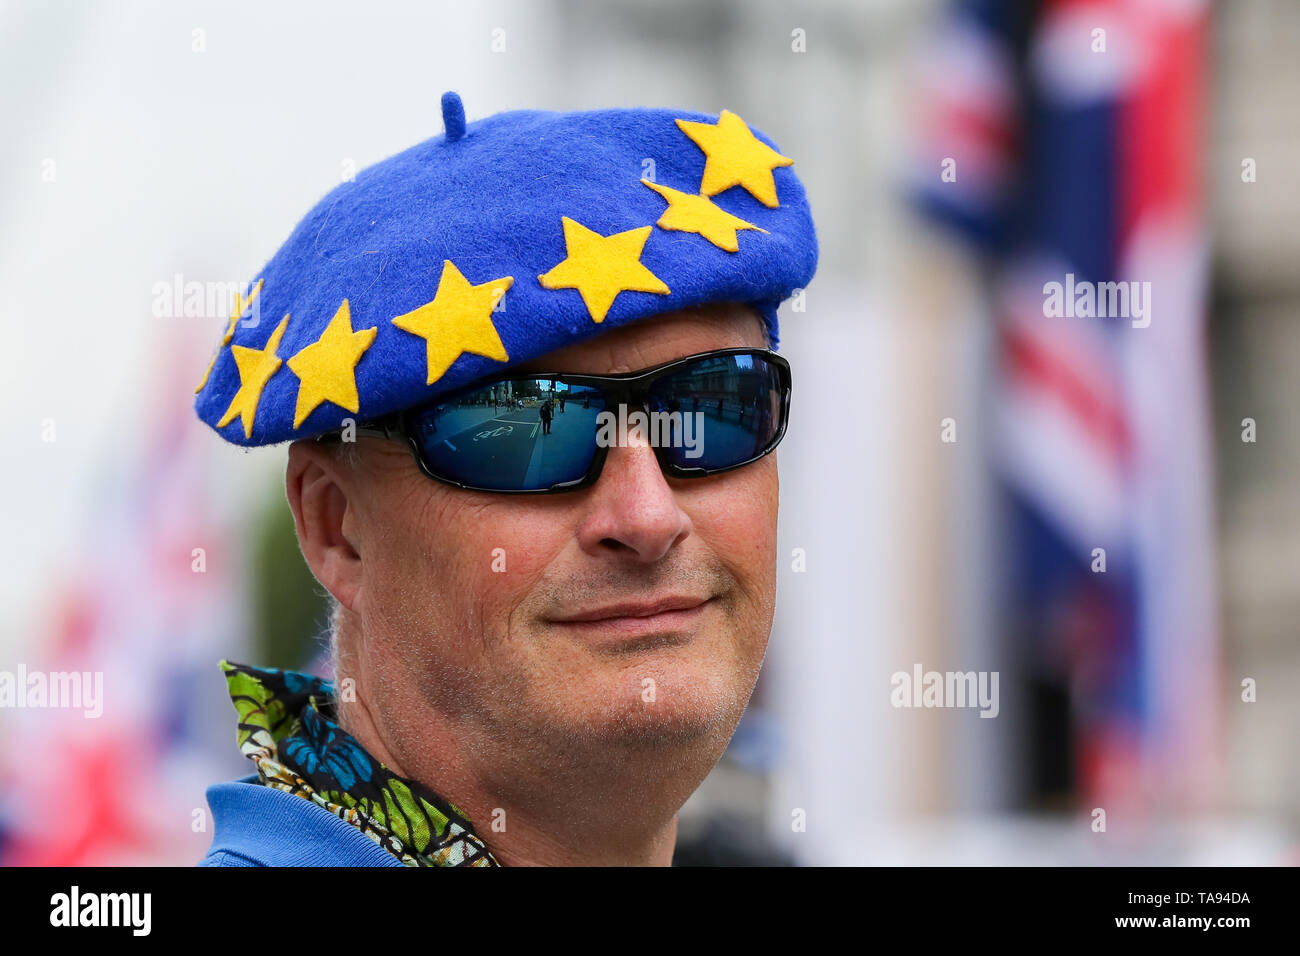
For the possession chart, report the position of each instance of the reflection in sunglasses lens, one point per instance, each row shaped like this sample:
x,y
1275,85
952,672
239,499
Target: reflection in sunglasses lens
x,y
531,434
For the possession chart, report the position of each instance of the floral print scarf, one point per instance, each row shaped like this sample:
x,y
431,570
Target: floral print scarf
x,y
288,728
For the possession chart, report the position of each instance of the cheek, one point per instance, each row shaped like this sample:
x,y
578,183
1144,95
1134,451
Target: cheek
x,y
505,554
455,568
735,516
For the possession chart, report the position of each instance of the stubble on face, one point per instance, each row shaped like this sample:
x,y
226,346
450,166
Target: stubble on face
x,y
444,637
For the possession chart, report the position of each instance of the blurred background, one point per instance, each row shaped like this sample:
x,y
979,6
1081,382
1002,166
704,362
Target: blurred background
x,y
1100,512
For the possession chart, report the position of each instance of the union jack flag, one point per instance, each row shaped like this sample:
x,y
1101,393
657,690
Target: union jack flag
x,y
1062,140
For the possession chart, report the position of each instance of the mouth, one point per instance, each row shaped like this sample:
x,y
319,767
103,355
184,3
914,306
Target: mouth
x,y
635,620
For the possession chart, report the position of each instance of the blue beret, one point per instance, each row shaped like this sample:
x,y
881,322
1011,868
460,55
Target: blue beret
x,y
495,243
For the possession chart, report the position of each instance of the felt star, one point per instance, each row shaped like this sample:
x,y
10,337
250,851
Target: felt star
x,y
600,267
240,308
688,212
736,157
256,366
327,367
458,320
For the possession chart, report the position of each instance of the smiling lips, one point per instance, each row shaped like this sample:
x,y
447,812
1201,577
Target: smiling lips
x,y
638,618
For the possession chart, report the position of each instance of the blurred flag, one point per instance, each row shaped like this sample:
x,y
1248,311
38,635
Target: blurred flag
x,y
1062,140
150,602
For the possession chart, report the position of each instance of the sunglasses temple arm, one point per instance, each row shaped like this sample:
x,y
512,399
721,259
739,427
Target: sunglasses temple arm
x,y
362,431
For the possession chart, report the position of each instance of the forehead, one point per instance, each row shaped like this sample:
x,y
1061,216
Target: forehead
x,y
657,339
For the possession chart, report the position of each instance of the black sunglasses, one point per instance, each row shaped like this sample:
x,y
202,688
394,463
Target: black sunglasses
x,y
547,432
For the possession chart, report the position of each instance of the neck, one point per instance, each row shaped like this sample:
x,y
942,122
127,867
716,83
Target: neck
x,y
617,808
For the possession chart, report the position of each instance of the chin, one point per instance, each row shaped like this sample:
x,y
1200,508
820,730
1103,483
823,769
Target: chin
x,y
690,701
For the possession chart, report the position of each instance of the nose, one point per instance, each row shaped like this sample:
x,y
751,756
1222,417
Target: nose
x,y
632,509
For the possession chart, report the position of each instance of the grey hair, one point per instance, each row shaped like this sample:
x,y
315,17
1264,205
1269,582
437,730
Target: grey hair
x,y
347,452
336,621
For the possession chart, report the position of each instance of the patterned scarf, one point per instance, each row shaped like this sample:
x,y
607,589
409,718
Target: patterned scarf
x,y
288,728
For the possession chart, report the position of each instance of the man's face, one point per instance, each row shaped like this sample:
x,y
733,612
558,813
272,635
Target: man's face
x,y
466,600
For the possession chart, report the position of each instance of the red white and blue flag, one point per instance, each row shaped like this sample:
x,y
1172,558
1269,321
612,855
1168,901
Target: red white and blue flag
x,y
148,604
1062,139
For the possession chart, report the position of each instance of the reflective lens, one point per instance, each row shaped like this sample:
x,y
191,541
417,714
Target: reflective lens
x,y
521,433
513,434
730,410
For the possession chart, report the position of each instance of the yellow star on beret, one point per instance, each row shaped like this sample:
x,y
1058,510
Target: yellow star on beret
x,y
736,157
326,369
458,320
256,366
600,267
689,212
241,306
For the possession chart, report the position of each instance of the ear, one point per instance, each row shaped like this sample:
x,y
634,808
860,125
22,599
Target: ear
x,y
318,491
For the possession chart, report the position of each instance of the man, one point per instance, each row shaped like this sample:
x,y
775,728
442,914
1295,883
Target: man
x,y
540,650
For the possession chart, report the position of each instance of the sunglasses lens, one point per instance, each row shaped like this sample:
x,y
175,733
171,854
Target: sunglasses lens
x,y
534,434
731,410
516,434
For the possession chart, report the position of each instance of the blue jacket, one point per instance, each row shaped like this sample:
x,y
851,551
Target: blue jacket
x,y
256,825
